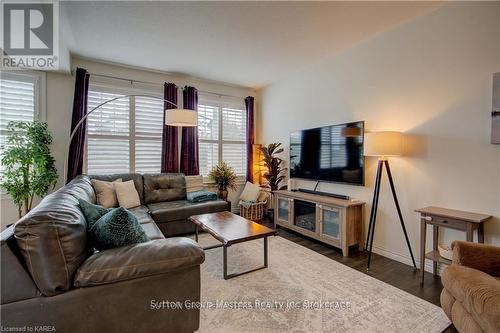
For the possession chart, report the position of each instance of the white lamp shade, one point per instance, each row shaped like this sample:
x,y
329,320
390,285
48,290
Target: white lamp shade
x,y
383,144
181,118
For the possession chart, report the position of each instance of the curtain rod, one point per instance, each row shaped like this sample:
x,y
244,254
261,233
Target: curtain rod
x,y
153,83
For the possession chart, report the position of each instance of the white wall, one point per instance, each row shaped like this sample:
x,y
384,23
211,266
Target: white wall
x,y
430,78
59,100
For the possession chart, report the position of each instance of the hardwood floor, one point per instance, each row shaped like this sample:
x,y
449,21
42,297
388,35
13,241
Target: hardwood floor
x,y
397,274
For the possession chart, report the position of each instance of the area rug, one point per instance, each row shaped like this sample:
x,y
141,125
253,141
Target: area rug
x,y
303,291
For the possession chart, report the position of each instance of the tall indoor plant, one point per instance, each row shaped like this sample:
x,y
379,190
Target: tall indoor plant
x,y
28,166
224,177
275,173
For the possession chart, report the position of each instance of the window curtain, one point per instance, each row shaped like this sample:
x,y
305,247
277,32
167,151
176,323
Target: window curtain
x,y
169,147
189,146
77,146
250,136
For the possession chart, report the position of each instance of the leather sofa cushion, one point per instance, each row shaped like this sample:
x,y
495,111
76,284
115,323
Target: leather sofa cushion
x,y
183,209
147,223
139,260
136,177
142,214
164,187
478,293
152,231
16,283
52,238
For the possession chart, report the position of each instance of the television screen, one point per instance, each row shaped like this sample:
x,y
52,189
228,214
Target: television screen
x,y
331,153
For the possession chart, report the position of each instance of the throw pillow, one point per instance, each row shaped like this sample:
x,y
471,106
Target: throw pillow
x,y
194,183
117,228
92,212
263,196
127,194
105,193
250,192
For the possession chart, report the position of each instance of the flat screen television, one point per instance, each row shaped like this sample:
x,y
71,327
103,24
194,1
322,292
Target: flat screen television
x,y
330,153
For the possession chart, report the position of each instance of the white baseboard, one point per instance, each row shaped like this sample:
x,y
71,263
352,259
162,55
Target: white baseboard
x,y
406,259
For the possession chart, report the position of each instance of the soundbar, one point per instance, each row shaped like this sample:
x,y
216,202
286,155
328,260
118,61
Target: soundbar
x,y
333,195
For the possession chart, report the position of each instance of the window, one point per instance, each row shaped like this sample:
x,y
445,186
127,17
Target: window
x,y
123,135
222,135
21,99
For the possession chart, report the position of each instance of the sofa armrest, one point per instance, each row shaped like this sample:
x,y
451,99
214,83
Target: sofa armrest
x,y
482,257
158,256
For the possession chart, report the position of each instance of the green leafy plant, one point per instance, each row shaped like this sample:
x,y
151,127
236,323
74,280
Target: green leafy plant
x,y
224,176
275,171
29,169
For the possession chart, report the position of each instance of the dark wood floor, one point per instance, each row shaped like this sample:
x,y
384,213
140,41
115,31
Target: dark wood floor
x,y
397,274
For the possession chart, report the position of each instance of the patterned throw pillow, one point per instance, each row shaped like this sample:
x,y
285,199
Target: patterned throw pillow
x,y
92,212
117,228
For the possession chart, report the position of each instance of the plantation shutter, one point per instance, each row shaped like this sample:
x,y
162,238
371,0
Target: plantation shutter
x,y
208,135
108,143
148,133
17,103
234,139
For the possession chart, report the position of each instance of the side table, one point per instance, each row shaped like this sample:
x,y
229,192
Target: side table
x,y
446,218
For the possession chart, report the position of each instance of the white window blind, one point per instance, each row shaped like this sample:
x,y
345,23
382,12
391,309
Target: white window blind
x,y
124,135
222,135
108,139
148,133
111,118
17,102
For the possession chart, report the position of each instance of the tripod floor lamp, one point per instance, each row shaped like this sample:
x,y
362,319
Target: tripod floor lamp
x,y
383,145
173,117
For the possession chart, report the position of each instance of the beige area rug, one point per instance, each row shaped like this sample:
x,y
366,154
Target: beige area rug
x,y
303,291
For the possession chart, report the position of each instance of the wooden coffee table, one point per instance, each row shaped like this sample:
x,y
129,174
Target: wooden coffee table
x,y
230,229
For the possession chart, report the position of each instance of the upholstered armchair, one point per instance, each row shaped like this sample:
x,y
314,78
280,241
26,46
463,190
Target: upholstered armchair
x,y
471,293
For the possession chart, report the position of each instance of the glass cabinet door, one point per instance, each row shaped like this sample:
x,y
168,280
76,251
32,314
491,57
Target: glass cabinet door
x,y
283,209
330,222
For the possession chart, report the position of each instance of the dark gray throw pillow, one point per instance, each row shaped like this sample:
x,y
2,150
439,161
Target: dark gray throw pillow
x,y
117,228
92,212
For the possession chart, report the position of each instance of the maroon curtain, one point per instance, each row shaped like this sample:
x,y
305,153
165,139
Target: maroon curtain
x,y
169,147
77,146
250,137
189,146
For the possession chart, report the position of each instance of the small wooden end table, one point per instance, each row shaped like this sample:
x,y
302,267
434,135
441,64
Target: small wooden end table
x,y
446,218
230,229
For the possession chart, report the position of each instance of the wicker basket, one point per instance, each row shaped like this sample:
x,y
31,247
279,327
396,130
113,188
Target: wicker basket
x,y
254,212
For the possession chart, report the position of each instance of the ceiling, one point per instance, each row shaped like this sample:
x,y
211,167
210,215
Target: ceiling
x,y
245,43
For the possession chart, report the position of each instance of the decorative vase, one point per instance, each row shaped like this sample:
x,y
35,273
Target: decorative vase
x,y
222,193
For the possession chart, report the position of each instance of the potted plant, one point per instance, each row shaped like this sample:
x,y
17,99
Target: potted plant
x,y
28,166
275,171
224,177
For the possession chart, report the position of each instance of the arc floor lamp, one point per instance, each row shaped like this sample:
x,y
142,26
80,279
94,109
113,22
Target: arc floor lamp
x,y
383,145
173,117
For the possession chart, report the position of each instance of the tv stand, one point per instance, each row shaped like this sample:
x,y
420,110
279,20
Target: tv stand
x,y
331,220
333,195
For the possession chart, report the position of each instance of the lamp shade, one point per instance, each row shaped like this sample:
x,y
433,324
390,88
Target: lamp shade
x,y
383,144
181,118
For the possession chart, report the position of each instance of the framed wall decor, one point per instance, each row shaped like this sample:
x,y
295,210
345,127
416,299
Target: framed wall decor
x,y
495,113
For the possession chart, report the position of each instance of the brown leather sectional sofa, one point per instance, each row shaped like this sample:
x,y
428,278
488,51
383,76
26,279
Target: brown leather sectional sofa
x,y
51,277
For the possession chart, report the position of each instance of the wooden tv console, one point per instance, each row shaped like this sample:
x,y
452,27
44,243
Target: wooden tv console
x,y
333,221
